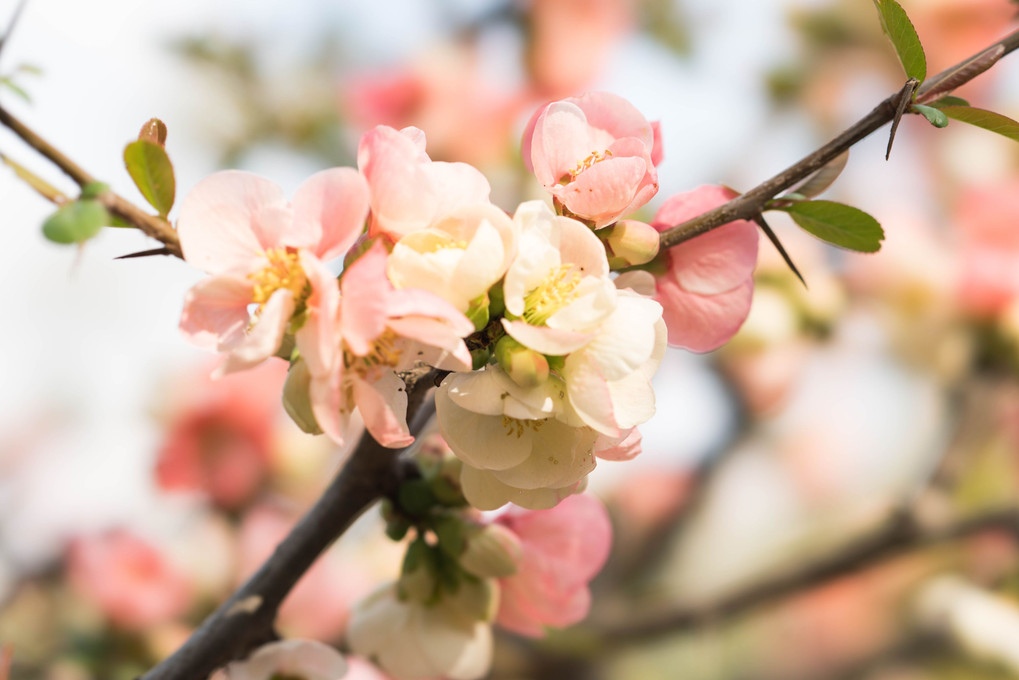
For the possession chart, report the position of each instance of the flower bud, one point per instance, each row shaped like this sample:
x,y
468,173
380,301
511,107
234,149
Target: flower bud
x,y
478,312
632,242
524,366
492,552
297,400
477,600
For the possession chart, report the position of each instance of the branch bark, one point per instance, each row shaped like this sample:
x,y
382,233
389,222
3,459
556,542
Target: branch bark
x,y
903,534
245,621
748,205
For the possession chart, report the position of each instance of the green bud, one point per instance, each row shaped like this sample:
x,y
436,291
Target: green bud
x,y
524,366
418,580
297,400
415,497
76,222
480,358
477,600
446,483
632,242
478,312
492,552
496,301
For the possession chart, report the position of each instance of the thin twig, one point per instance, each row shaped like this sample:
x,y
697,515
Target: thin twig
x,y
745,206
902,534
151,225
11,26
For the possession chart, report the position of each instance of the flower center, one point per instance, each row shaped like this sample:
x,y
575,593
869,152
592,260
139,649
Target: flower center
x,y
515,426
552,294
283,271
383,353
595,157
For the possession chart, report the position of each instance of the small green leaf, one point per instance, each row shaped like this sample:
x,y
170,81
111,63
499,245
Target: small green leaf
x,y
152,172
988,120
94,189
76,222
899,29
15,88
415,497
450,532
838,224
949,101
935,117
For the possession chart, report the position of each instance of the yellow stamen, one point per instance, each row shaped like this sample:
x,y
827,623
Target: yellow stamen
x,y
587,163
515,426
383,353
283,271
554,293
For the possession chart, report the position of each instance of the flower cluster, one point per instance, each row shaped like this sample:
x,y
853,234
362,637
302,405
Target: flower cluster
x,y
550,323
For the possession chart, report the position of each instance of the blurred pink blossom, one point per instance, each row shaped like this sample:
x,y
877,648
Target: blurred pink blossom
x,y
130,580
593,153
563,549
707,290
219,434
986,218
570,42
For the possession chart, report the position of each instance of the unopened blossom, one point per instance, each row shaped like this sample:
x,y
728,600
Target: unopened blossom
x,y
707,289
131,581
459,257
594,154
292,659
377,331
264,251
562,549
409,191
411,640
516,443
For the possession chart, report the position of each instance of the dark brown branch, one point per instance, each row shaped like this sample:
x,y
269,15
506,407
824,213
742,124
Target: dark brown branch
x,y
151,225
901,535
745,206
245,621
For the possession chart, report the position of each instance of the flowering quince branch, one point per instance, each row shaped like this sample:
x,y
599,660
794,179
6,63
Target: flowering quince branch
x,y
747,205
245,621
545,357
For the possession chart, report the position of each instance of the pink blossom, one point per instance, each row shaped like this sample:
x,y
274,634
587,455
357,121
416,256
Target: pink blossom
x,y
563,549
989,247
594,154
409,191
304,659
219,435
263,250
131,581
707,290
570,41
381,330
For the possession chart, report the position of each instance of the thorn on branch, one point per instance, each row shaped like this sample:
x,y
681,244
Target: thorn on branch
x,y
146,253
759,219
905,99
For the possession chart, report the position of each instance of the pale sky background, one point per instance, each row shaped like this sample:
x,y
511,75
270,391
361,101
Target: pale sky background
x,y
85,339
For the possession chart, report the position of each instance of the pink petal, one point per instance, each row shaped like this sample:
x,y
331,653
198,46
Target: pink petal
x,y
383,406
401,196
627,448
416,302
363,304
615,115
658,148
562,139
579,246
435,333
229,219
216,312
265,336
329,211
701,323
317,338
327,406
717,261
604,191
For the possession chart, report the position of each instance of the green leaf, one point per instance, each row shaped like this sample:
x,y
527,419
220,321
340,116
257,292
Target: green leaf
x,y
152,172
76,222
949,101
450,532
838,224
94,189
935,117
15,88
988,120
899,29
